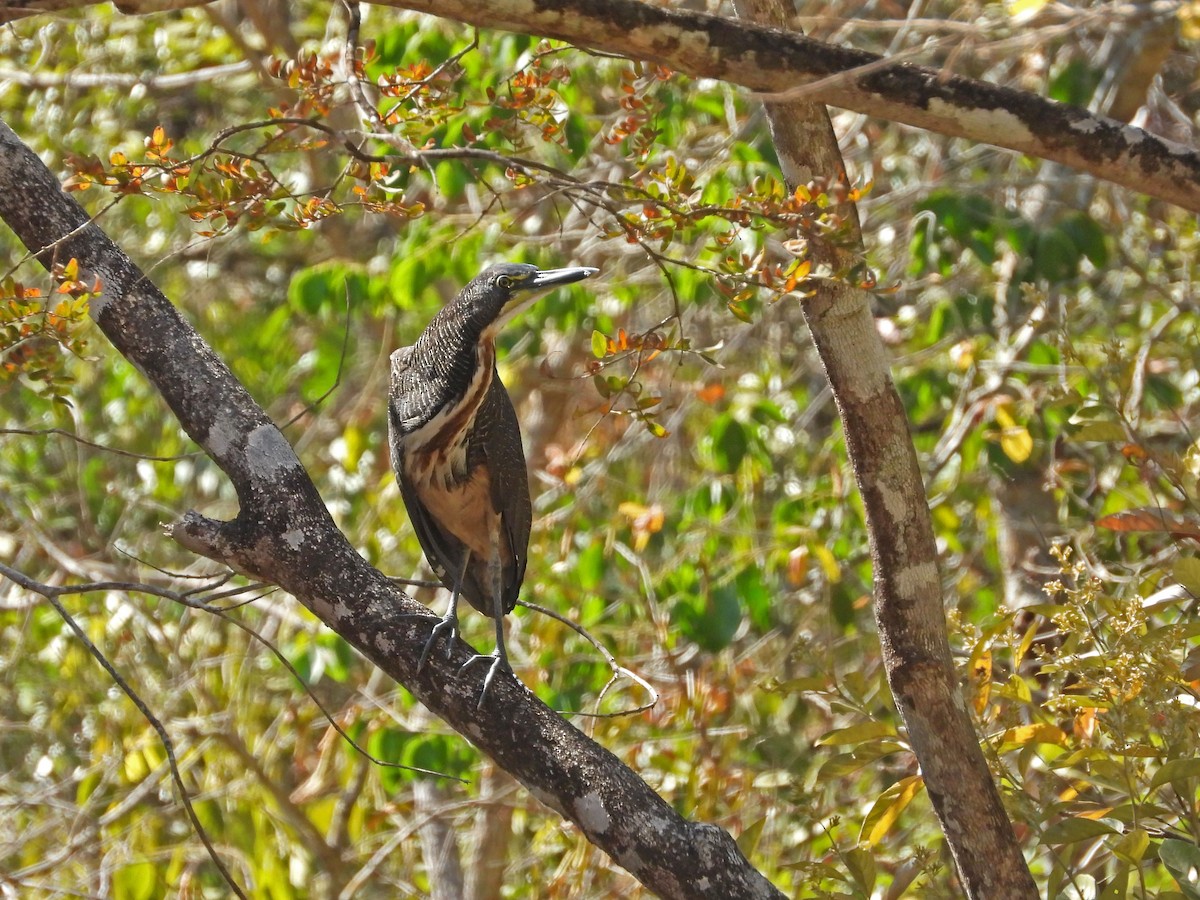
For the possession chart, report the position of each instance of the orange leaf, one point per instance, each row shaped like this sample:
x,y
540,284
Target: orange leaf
x,y
1151,518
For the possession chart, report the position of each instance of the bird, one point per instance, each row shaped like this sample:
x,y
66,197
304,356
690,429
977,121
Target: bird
x,y
456,450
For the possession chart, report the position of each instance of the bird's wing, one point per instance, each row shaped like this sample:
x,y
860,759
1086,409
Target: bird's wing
x,y
509,483
442,549
410,394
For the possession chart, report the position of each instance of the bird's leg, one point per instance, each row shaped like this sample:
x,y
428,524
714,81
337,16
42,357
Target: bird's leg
x,y
450,620
499,657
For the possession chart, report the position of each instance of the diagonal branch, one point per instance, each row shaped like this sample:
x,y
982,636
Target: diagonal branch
x,y
284,534
786,63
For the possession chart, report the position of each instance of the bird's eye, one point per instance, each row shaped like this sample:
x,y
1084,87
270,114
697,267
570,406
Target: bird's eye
x,y
504,281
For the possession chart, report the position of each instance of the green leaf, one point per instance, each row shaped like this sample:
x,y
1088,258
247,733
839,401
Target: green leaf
x,y
1088,236
1182,860
1069,831
748,839
1186,570
861,864
599,344
1175,772
856,734
589,567
136,882
1055,256
1102,432
322,288
729,443
710,619
756,598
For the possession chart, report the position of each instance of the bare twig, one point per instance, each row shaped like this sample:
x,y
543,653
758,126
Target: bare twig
x,y
52,594
617,669
62,432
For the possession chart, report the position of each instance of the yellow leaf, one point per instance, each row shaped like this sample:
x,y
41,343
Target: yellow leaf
x,y
632,510
829,564
980,673
1189,20
887,809
1016,443
135,766
1025,9
1015,439
1034,734
599,344
1027,640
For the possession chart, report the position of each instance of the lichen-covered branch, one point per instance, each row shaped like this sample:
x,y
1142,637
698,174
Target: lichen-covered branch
x,y
785,63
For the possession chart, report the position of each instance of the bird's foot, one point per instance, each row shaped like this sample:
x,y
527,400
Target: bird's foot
x,y
449,627
498,663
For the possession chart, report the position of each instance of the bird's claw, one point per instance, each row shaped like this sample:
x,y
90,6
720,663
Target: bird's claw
x,y
449,622
498,664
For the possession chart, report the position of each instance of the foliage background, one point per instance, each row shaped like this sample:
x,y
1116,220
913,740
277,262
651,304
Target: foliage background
x,y
692,501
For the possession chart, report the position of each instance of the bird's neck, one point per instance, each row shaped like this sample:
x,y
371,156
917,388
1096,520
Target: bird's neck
x,y
458,353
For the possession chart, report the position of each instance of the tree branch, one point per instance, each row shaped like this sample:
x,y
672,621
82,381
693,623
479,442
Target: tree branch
x,y
908,592
786,63
284,534
11,10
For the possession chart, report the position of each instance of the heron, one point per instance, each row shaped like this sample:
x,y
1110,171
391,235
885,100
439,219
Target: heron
x,y
456,450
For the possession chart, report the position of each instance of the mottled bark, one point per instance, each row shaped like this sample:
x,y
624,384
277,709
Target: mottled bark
x,y
283,534
11,10
784,62
908,595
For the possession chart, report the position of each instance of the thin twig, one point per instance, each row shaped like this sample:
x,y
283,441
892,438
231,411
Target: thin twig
x,y
52,594
617,669
62,432
311,406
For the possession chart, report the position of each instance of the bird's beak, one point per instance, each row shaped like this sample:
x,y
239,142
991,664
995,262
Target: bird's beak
x,y
524,293
550,278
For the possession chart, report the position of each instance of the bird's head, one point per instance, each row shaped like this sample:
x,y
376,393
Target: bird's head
x,y
501,291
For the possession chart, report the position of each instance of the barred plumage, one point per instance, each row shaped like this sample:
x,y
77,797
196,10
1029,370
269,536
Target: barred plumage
x,y
456,448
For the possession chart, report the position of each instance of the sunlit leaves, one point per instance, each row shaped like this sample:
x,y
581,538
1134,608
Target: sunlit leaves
x,y
531,99
888,807
1015,439
38,333
645,521
642,108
